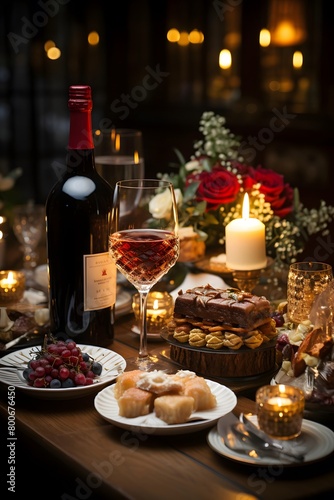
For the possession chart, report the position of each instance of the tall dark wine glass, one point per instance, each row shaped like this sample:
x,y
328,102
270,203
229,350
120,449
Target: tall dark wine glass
x,y
144,242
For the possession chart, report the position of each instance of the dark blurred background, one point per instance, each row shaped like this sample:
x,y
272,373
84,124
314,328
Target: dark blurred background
x,y
141,79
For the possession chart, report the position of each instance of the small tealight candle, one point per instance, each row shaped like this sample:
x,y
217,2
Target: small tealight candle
x,y
159,310
280,410
245,242
12,285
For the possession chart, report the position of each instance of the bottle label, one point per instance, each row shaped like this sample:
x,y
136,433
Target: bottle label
x,y
99,281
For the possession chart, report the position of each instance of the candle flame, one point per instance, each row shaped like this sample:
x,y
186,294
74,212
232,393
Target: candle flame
x,y
156,304
136,157
117,142
245,207
10,278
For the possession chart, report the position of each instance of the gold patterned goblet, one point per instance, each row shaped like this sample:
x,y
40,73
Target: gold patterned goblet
x,y
306,280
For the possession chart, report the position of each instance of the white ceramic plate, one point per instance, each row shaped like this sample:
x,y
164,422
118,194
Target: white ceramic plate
x,y
315,441
112,364
107,406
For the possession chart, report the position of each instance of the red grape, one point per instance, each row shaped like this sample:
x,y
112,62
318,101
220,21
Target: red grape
x,y
62,364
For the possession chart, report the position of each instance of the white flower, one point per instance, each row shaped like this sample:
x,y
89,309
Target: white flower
x,y
178,197
192,165
161,205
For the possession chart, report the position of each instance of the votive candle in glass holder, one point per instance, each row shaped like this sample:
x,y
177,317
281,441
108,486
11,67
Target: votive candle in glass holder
x,y
280,410
160,307
12,286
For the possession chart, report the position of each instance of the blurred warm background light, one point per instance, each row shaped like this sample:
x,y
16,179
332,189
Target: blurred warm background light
x,y
264,38
173,35
225,59
54,53
93,38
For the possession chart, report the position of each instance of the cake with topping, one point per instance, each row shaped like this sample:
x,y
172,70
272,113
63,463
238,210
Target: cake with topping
x,y
221,321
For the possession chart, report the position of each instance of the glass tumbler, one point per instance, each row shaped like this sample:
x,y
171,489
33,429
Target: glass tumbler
x,y
306,280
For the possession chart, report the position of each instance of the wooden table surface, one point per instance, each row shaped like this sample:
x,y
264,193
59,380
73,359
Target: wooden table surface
x,y
66,450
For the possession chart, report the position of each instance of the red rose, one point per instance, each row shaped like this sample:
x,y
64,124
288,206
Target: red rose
x,y
217,187
278,193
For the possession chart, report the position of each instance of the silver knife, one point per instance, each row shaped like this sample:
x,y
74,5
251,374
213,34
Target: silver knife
x,y
259,434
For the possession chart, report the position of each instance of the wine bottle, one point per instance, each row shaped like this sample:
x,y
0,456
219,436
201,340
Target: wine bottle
x,y
82,275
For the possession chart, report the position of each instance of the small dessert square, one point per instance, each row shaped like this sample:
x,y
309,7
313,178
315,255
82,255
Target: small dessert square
x,y
125,381
135,402
174,409
198,389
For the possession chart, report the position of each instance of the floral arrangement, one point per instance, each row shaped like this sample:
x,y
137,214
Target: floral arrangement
x,y
210,189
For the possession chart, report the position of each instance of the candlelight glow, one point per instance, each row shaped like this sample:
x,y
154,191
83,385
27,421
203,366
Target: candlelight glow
x,y
117,142
53,53
196,36
173,35
136,157
93,38
225,59
264,38
48,45
183,40
297,59
245,207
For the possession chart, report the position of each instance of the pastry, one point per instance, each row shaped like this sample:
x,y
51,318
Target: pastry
x,y
232,319
317,343
125,381
199,390
135,402
175,409
158,382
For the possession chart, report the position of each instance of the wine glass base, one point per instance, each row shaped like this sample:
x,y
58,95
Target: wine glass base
x,y
149,363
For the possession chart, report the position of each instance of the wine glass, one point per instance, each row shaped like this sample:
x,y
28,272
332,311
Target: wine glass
x,y
144,242
119,154
28,226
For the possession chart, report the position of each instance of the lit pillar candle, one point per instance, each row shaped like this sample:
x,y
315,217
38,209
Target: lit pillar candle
x,y
245,242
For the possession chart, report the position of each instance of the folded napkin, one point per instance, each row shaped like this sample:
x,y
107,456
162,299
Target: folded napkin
x,y
201,279
34,297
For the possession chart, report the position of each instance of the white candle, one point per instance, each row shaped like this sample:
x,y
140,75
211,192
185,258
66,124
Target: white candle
x,y
245,242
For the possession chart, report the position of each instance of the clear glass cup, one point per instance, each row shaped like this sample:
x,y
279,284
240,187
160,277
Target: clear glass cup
x,y
119,154
28,227
306,280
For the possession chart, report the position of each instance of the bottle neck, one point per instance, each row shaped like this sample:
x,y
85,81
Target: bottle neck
x,y
80,160
81,135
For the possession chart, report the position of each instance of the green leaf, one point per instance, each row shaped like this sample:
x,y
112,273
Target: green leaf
x,y
190,191
180,156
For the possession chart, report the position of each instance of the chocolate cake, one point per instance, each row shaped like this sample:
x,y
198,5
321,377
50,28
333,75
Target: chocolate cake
x,y
230,307
222,333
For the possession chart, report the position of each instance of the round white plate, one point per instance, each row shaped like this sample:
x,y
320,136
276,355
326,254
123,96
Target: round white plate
x,y
112,365
315,441
107,406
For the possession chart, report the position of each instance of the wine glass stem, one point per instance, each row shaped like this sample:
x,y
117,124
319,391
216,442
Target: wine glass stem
x,y
143,353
